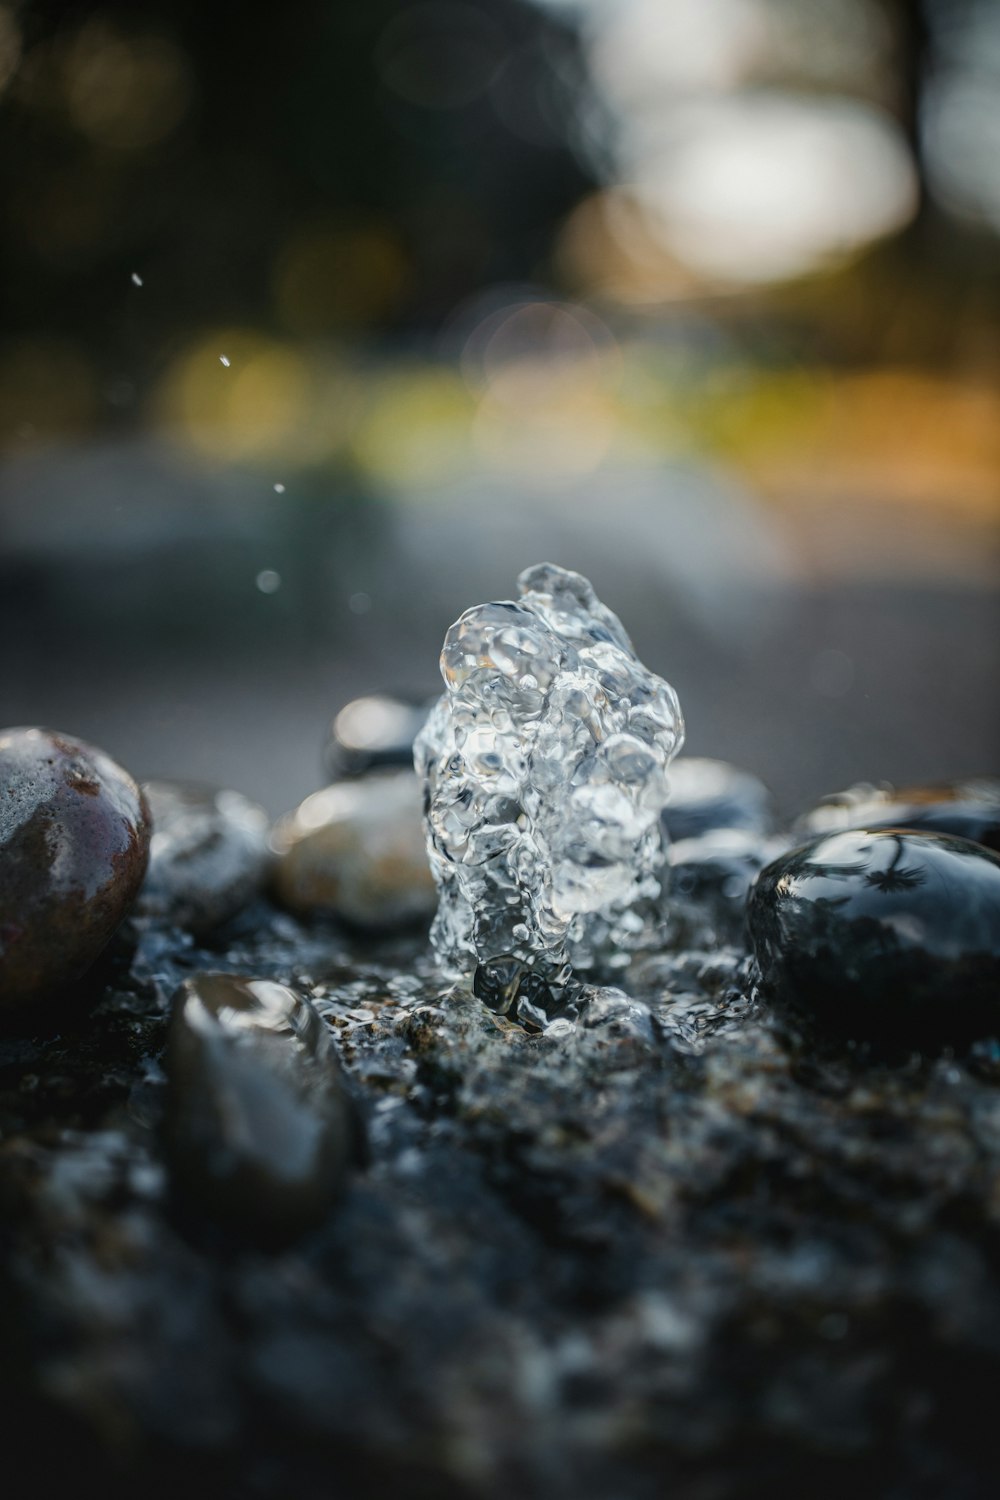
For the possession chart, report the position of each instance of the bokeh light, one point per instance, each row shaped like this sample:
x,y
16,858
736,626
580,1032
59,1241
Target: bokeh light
x,y
126,92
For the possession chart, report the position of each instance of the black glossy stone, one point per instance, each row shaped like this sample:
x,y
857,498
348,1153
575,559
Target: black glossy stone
x,y
707,794
74,841
209,855
260,1129
373,733
886,936
968,809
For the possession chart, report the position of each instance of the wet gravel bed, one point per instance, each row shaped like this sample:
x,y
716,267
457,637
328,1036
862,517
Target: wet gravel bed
x,y
678,1247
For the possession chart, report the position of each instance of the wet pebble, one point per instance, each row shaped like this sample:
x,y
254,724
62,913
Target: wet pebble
x,y
260,1130
74,840
707,794
209,854
891,937
356,850
373,733
968,809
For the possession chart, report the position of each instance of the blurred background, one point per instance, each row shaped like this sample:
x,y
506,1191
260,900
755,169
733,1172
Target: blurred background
x,y
320,321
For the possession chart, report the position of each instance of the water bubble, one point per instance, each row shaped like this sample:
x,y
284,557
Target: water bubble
x,y
268,581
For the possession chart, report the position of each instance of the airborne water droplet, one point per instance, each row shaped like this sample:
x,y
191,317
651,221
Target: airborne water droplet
x,y
224,360
268,581
136,279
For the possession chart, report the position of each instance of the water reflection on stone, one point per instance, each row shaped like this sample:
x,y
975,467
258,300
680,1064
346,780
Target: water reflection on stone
x,y
969,809
885,936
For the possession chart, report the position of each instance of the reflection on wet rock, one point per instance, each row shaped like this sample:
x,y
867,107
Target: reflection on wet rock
x,y
709,881
208,856
74,840
372,734
968,809
885,936
707,794
356,850
260,1128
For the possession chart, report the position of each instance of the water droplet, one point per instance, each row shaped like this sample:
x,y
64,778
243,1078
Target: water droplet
x,y
359,603
136,279
279,488
268,581
224,360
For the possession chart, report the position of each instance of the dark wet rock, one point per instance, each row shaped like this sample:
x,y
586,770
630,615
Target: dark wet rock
x,y
260,1129
707,794
707,882
356,851
374,733
886,936
74,840
968,809
209,854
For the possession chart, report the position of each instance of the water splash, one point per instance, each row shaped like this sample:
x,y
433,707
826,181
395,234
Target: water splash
x,y
545,771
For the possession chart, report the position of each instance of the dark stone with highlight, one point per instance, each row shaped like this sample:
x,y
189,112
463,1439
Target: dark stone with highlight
x,y
967,809
884,936
74,842
707,794
260,1128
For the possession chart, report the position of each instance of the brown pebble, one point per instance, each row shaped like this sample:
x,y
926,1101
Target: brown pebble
x,y
357,850
74,841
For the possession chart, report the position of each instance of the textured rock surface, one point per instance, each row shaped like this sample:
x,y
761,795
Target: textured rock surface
x,y
545,766
208,856
356,850
670,1249
74,840
884,935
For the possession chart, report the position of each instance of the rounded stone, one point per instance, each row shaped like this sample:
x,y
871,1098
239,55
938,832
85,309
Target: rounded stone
x,y
883,935
260,1129
708,794
707,881
374,733
968,809
209,854
356,850
74,841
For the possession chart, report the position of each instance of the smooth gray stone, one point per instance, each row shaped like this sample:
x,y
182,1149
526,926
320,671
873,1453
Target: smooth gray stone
x,y
209,854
